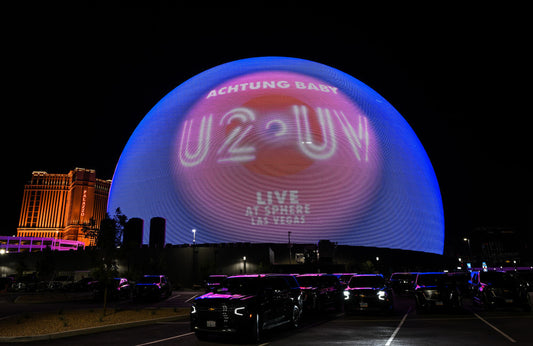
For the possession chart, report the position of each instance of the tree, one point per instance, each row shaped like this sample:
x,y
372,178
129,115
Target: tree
x,y
107,242
90,231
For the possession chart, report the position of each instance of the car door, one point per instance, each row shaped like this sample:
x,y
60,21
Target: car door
x,y
277,297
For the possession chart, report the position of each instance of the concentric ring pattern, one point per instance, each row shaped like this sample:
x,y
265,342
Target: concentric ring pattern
x,y
253,149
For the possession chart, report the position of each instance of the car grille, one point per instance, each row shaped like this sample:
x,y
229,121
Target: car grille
x,y
217,309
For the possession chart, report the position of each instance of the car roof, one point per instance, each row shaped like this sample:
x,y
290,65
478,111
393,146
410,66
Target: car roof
x,y
359,275
432,273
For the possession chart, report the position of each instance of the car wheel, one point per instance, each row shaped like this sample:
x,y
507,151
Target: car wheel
x,y
527,305
487,304
257,329
295,318
201,335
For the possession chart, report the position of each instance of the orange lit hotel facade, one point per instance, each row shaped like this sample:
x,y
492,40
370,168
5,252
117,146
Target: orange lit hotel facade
x,y
60,205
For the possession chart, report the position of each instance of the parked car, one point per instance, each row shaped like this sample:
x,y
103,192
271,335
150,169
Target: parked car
x,y
246,305
59,283
5,284
368,292
344,278
153,287
81,285
402,283
526,278
294,286
493,289
25,283
321,291
437,290
120,288
462,282
213,282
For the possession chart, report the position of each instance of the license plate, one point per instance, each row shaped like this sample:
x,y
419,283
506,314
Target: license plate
x,y
211,324
363,305
508,301
439,303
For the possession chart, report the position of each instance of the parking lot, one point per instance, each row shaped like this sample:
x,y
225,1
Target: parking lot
x,y
404,326
408,321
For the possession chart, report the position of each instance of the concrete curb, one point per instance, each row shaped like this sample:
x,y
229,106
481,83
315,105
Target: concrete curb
x,y
92,330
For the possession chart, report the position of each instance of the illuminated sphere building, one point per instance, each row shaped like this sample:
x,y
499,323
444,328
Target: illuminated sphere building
x,y
253,149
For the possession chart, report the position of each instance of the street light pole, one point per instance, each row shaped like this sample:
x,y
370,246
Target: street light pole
x,y
467,240
290,255
194,258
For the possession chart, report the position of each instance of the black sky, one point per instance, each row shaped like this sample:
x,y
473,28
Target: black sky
x,y
81,79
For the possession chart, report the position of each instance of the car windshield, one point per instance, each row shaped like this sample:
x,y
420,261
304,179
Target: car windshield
x,y
431,279
366,281
528,276
402,277
307,281
215,279
494,278
149,280
240,285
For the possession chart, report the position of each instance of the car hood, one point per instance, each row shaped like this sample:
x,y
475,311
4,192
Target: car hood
x,y
211,297
365,288
442,287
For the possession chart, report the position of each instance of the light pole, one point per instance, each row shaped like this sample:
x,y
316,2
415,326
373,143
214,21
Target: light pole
x,y
289,233
467,240
244,264
194,258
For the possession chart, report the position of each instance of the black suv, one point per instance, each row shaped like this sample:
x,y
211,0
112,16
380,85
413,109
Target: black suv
x,y
153,287
321,291
402,283
498,289
368,292
437,290
247,304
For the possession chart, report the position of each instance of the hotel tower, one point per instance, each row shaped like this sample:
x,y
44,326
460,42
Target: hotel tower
x,y
60,205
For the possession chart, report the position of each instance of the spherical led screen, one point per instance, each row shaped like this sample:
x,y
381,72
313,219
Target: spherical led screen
x,y
253,149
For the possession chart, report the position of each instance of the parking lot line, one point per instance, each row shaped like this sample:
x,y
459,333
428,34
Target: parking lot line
x,y
191,298
174,297
166,339
397,328
494,327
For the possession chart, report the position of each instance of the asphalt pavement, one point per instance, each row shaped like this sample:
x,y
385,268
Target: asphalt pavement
x,y
472,326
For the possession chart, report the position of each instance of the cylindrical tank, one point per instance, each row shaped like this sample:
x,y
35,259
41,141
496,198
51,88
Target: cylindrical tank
x,y
157,232
133,233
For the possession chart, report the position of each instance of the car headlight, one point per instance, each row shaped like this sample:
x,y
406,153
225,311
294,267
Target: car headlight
x,y
239,311
382,295
346,295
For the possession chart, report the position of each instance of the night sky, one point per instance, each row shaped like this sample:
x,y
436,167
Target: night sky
x,y
80,80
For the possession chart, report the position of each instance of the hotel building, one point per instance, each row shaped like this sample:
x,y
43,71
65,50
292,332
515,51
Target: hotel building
x,y
59,206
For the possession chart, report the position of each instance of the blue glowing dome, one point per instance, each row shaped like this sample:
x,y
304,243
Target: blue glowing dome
x,y
253,149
